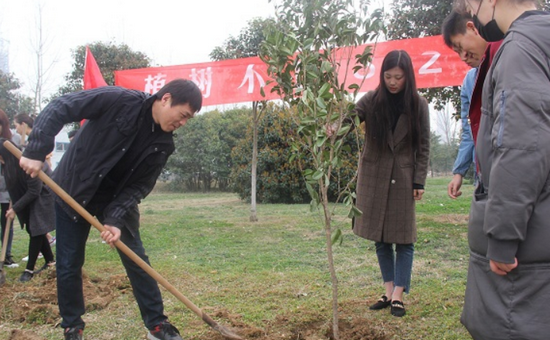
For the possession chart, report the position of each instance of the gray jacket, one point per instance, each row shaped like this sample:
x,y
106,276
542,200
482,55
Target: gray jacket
x,y
510,212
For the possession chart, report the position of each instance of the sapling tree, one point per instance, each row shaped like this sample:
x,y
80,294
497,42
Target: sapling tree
x,y
310,51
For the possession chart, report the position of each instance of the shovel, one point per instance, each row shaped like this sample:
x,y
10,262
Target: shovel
x,y
127,251
4,250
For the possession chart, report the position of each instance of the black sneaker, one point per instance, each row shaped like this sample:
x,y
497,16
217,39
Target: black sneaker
x,y
164,331
10,263
73,333
26,276
381,304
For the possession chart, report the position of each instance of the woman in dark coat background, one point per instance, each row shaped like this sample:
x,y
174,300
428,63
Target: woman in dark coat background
x,y
33,204
392,173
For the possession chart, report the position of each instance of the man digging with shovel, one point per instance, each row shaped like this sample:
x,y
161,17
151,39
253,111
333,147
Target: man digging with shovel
x,y
112,164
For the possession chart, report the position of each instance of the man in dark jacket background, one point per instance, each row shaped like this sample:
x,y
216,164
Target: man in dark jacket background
x,y
112,164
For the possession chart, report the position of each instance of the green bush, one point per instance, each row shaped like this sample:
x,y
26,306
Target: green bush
x,y
279,180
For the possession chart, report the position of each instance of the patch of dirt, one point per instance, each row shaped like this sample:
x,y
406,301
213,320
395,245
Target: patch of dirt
x,y
37,303
351,326
17,334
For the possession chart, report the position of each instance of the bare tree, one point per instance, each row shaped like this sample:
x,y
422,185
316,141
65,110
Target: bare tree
x,y
39,47
446,124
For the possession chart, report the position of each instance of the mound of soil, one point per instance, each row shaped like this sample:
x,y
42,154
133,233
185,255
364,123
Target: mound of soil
x,y
37,303
350,327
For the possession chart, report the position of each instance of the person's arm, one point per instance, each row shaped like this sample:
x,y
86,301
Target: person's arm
x,y
34,187
464,158
141,184
423,151
521,148
69,108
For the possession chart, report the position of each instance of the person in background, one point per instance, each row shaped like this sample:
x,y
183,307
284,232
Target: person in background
x,y
33,204
392,173
110,175
507,291
5,133
23,127
459,33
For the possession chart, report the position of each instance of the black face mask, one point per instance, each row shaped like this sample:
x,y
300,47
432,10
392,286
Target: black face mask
x,y
489,32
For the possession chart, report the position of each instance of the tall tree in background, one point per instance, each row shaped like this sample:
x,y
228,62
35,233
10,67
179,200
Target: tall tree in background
x,y
202,160
422,18
109,57
247,44
11,101
312,45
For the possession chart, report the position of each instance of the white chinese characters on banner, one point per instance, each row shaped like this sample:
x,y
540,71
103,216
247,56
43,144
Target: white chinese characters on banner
x,y
154,84
203,79
249,77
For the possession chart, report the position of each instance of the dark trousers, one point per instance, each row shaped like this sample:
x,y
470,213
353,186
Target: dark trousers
x,y
71,239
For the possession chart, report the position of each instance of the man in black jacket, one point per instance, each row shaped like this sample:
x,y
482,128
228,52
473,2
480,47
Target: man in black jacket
x,y
112,164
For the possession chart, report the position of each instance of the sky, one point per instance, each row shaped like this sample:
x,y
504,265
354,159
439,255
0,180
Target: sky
x,y
169,32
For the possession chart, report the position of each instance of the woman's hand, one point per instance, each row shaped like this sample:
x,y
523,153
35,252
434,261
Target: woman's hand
x,y
502,269
417,194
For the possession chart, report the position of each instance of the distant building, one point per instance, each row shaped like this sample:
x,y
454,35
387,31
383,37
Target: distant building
x,y
61,145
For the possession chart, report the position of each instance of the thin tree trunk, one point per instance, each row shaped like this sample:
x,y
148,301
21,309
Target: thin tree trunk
x,y
334,278
253,217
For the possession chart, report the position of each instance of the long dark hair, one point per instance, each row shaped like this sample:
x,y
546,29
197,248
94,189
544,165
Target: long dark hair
x,y
381,119
5,123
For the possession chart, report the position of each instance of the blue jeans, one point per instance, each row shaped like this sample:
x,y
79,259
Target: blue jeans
x,y
396,266
71,237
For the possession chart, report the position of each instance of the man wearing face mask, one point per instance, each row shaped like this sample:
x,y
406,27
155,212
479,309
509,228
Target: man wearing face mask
x,y
507,291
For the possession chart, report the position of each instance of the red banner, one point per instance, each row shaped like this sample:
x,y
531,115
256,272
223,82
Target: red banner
x,y
240,80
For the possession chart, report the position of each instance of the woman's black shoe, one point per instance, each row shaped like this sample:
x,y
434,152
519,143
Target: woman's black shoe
x,y
381,304
397,308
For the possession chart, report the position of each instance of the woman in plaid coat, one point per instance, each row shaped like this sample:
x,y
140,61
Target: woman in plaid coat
x,y
392,173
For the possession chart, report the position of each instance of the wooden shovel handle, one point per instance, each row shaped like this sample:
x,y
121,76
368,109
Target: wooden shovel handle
x,y
6,239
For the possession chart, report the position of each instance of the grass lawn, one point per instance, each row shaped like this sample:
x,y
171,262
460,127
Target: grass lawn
x,y
265,280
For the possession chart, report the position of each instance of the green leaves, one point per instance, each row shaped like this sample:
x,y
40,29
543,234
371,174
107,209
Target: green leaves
x,y
301,49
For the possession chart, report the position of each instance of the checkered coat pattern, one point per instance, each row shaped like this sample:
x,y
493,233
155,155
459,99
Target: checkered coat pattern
x,y
385,182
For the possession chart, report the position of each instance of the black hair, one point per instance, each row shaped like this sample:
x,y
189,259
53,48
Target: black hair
x,y
183,91
454,24
24,118
380,121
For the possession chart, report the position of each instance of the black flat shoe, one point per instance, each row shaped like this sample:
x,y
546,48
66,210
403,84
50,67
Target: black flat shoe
x,y
397,308
381,304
